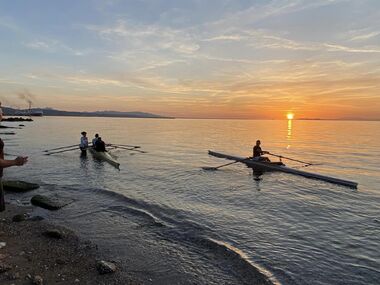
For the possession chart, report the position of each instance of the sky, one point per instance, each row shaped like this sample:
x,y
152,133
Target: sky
x,y
248,59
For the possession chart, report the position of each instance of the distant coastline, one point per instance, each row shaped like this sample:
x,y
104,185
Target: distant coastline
x,y
53,112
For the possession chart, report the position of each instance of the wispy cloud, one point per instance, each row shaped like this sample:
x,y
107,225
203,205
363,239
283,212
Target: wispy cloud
x,y
54,46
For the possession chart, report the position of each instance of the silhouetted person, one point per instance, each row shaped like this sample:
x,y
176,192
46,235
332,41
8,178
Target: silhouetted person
x,y
4,163
258,152
100,145
94,140
83,143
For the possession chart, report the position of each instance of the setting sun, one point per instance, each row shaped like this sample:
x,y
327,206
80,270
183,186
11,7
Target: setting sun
x,y
290,116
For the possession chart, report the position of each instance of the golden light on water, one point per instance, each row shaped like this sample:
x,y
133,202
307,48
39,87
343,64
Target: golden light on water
x,y
290,116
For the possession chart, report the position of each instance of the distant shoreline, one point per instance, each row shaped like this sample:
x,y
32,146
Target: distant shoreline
x,y
53,112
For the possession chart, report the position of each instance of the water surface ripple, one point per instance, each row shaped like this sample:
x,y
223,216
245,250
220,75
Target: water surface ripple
x,y
179,224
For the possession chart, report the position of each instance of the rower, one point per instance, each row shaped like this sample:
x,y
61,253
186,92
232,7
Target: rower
x,y
258,152
94,140
100,145
83,142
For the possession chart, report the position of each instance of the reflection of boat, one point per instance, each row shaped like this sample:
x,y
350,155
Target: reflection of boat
x,y
103,155
264,166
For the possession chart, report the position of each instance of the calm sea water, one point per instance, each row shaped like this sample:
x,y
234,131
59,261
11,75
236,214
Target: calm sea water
x,y
170,222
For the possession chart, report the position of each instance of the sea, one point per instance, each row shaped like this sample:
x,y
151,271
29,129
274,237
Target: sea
x,y
166,220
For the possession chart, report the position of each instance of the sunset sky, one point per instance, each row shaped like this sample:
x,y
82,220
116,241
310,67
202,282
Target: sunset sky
x,y
194,58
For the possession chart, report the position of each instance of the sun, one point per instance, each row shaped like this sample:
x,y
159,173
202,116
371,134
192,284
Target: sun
x,y
290,116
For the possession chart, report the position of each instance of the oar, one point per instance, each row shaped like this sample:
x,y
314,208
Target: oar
x,y
126,148
76,148
288,158
62,147
126,145
217,167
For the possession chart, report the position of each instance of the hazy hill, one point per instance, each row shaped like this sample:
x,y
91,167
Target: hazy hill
x,y
53,112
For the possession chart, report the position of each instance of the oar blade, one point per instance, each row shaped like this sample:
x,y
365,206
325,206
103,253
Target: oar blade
x,y
209,168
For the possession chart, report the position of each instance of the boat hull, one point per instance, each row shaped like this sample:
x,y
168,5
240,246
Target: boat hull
x,y
275,167
105,156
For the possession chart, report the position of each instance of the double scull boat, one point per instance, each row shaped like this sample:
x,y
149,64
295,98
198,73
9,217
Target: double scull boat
x,y
104,155
278,167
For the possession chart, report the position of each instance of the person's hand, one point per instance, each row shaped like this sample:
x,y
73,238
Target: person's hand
x,y
21,160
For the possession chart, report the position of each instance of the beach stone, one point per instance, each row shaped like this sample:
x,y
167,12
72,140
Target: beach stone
x,y
49,203
54,233
37,280
19,186
14,276
36,218
4,267
105,267
19,218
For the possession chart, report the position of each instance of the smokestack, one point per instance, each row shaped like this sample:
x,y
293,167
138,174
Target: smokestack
x,y
28,97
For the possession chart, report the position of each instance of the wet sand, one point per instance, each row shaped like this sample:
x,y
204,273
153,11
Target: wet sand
x,y
29,255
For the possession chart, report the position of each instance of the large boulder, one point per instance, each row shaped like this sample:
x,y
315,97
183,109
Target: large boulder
x,y
105,267
50,203
19,186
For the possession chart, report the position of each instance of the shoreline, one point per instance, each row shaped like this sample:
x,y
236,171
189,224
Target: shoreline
x,y
35,251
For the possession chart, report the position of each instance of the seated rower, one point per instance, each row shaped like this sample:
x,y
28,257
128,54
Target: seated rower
x,y
94,140
100,145
258,152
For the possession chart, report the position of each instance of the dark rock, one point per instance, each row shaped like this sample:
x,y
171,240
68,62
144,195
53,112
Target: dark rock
x,y
105,267
37,280
14,276
4,267
49,203
17,119
19,218
19,186
54,233
36,218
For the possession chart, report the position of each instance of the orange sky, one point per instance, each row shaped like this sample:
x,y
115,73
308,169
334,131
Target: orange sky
x,y
249,59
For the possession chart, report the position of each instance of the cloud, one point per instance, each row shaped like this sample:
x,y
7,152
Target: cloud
x,y
54,46
365,37
8,23
147,37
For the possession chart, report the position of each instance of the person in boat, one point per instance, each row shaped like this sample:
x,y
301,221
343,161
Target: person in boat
x,y
258,152
94,140
4,163
1,114
83,142
100,145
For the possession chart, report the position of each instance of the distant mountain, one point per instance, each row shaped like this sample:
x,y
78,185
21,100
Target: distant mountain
x,y
53,112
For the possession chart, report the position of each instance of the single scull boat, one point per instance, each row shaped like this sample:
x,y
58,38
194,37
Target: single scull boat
x,y
276,167
104,155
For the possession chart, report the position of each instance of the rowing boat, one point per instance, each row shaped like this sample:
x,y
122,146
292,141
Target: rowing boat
x,y
103,155
277,167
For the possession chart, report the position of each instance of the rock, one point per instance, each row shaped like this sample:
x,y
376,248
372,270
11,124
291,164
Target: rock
x,y
49,203
19,218
4,267
105,267
37,280
14,276
36,218
60,261
76,280
54,233
19,186
2,244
